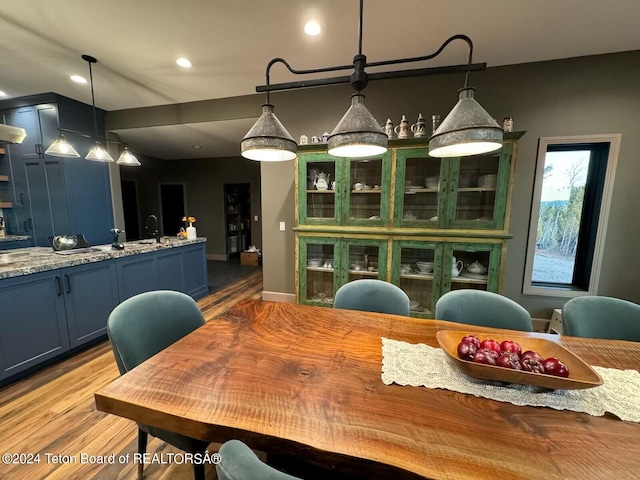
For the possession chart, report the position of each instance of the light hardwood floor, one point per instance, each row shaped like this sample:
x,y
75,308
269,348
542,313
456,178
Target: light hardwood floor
x,y
52,412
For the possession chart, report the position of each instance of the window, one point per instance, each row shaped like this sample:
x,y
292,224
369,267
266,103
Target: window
x,y
571,197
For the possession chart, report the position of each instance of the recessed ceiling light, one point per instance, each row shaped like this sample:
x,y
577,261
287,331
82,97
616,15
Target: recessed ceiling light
x,y
2,94
184,62
78,79
196,146
312,28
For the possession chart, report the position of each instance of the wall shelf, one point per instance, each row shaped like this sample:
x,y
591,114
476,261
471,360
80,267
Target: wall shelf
x,y
6,205
4,178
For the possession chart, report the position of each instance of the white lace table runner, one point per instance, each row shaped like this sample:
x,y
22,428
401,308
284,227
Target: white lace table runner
x,y
421,365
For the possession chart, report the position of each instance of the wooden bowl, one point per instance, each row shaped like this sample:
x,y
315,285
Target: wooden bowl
x,y
581,375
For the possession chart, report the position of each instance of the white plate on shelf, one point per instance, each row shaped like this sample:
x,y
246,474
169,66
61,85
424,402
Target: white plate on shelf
x,y
422,274
477,276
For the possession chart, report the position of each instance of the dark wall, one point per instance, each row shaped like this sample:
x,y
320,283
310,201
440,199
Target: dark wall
x,y
203,180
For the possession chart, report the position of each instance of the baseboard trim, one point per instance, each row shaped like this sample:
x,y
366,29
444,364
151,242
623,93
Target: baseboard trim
x,y
217,256
279,297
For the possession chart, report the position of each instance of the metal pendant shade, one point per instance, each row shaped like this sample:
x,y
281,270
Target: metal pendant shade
x,y
128,158
268,140
467,130
99,154
357,134
62,148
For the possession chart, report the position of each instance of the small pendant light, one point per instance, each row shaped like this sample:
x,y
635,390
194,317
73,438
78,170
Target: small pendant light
x,y
62,148
99,154
127,158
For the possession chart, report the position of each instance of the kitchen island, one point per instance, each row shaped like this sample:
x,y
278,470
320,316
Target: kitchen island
x,y
56,304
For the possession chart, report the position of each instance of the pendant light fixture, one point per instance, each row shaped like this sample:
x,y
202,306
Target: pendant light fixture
x,y
98,153
128,158
467,130
61,148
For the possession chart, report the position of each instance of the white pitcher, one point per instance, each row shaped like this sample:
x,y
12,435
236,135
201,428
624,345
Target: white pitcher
x,y
456,267
322,181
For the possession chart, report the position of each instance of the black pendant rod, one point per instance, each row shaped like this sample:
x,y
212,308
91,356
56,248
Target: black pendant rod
x,y
89,59
360,28
468,68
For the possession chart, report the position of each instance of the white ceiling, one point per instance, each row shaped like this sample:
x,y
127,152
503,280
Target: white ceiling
x,y
230,43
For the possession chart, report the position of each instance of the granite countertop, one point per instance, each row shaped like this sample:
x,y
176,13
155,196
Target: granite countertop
x,y
24,261
14,238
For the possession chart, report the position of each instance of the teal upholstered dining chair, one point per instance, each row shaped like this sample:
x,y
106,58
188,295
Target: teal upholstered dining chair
x,y
142,326
371,295
601,317
238,462
477,307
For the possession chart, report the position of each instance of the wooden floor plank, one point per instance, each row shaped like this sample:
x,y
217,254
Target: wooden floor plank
x,y
52,412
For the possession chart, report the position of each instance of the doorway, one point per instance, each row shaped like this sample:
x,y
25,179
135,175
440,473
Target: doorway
x,y
237,198
172,208
130,207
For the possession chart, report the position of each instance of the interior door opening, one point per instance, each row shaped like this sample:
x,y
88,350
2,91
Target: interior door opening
x,y
130,207
237,197
172,208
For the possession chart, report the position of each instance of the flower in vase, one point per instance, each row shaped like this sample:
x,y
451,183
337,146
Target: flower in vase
x,y
191,220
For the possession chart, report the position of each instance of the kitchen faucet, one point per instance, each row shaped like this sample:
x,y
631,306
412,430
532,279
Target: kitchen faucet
x,y
155,231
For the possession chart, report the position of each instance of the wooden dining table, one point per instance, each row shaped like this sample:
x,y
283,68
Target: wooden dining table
x,y
307,380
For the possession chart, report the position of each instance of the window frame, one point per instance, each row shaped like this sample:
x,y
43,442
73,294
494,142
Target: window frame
x,y
570,291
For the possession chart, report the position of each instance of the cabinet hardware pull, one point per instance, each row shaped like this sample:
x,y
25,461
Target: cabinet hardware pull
x,y
22,198
30,223
26,225
68,282
58,286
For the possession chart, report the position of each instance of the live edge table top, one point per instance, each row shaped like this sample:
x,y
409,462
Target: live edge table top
x,y
308,380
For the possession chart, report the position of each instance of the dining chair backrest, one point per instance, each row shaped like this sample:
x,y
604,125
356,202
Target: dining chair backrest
x,y
601,317
147,323
478,307
372,295
238,462
142,326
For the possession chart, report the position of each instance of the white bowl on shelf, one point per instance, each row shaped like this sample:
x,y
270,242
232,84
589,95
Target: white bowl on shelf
x,y
432,182
487,180
425,267
314,262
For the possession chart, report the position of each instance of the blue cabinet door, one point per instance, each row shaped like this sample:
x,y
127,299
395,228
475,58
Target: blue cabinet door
x,y
91,293
137,274
171,269
34,327
196,282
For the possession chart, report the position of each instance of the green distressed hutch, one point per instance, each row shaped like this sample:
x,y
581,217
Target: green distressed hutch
x,y
382,216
